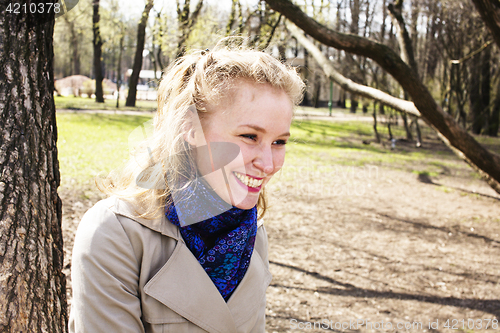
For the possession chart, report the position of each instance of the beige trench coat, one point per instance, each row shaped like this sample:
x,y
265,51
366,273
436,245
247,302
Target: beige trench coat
x,y
137,275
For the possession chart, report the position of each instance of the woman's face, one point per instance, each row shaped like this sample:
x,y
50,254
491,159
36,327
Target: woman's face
x,y
256,118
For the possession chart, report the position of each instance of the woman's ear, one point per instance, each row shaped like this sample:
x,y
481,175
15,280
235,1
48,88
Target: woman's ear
x,y
193,132
189,134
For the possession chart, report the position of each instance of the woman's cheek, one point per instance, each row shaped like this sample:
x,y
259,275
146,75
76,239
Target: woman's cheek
x,y
246,154
278,160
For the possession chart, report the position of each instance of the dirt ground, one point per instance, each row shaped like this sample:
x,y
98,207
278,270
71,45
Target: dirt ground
x,y
360,249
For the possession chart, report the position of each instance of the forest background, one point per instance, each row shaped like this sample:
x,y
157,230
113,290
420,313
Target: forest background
x,y
454,51
378,214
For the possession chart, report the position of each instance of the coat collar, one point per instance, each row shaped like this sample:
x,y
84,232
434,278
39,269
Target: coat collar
x,y
194,295
159,224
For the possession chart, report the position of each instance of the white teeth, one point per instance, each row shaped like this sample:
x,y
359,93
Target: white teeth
x,y
249,181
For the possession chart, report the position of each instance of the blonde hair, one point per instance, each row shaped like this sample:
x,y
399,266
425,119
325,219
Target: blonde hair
x,y
193,81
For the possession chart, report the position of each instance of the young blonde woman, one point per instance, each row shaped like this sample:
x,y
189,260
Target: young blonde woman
x,y
180,246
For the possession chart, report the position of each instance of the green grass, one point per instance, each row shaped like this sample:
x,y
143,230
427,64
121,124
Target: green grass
x,y
92,144
80,103
342,143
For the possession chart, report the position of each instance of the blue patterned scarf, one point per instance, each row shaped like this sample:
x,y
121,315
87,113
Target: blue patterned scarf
x,y
222,242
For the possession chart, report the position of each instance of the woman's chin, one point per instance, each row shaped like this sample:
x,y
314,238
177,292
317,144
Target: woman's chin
x,y
246,206
247,202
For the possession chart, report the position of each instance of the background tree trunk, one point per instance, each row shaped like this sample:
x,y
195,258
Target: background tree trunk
x,y
495,113
99,95
186,21
475,95
490,13
75,56
136,69
32,285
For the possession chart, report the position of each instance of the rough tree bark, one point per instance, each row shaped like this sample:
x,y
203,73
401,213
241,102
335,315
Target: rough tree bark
x,y
450,132
99,95
32,285
136,68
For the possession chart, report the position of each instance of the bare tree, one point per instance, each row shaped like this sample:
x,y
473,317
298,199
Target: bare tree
x,y
490,13
99,95
136,68
484,161
186,21
32,285
75,55
235,16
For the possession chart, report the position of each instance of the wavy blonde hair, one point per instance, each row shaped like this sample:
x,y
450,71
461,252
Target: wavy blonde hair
x,y
195,80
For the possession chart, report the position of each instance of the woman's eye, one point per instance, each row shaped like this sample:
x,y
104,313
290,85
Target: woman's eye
x,y
249,136
280,142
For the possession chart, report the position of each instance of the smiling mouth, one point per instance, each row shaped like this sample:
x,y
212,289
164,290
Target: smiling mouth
x,y
249,181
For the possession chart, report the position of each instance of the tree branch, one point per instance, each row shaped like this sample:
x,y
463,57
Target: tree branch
x,y
271,35
404,39
347,84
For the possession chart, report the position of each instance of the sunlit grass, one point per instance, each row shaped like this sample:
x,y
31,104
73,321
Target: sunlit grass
x,y
324,142
81,103
92,144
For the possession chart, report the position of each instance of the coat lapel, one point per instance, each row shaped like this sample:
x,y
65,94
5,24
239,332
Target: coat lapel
x,y
249,295
183,286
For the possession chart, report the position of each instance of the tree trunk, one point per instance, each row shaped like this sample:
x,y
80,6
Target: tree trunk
x,y
405,42
305,100
490,13
494,122
476,106
449,131
232,17
419,133
136,68
355,7
186,22
99,95
354,103
32,285
485,87
75,56
374,114
409,137
119,71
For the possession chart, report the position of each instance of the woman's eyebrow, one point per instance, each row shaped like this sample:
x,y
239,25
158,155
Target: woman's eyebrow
x,y
260,129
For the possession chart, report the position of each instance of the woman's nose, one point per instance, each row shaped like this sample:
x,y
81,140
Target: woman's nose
x,y
264,160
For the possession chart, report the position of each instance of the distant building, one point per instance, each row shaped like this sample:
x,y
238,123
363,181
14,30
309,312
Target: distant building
x,y
146,88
